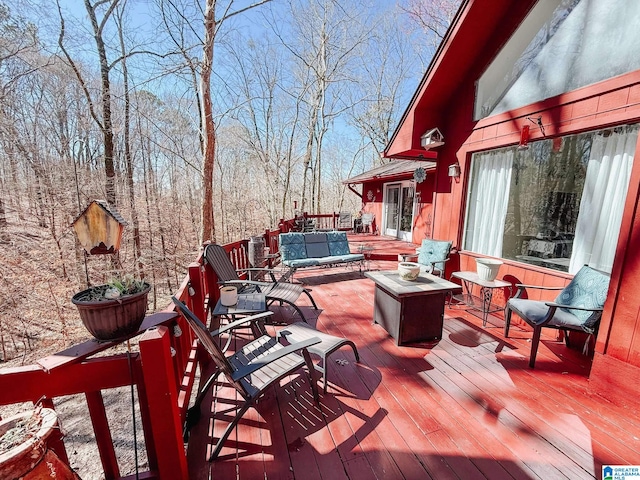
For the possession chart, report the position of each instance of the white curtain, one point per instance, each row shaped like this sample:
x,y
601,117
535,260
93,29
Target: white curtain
x,y
488,202
603,198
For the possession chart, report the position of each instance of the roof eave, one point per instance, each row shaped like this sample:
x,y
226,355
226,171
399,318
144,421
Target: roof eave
x,y
430,69
416,154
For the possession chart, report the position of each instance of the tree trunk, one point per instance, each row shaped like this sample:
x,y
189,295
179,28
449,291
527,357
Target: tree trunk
x,y
3,216
137,250
208,126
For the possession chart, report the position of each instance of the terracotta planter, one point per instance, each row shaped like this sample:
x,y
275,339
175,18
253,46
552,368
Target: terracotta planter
x,y
111,319
31,459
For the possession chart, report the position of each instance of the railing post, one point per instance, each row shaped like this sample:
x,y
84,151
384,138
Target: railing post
x,y
267,240
162,393
144,416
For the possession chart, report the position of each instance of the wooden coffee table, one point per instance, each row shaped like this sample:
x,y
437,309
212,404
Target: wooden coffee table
x,y
410,311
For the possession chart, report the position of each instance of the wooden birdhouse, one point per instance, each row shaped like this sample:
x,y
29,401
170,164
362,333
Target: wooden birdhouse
x,y
431,139
99,228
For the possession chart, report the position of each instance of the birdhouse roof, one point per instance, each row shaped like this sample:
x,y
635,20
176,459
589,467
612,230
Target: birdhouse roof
x,y
107,208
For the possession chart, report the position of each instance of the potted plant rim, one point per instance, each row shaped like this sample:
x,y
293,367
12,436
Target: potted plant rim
x,y
115,310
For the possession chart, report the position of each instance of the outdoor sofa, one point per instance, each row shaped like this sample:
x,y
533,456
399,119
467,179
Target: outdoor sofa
x,y
316,249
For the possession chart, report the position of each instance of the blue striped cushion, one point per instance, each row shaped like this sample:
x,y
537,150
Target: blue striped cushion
x,y
587,289
338,244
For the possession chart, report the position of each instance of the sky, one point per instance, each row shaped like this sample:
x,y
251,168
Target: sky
x,y
143,17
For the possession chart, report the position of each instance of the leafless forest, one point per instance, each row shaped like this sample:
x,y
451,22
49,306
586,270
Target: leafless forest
x,y
196,120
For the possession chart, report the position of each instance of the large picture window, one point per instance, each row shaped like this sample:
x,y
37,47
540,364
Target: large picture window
x,y
561,45
557,204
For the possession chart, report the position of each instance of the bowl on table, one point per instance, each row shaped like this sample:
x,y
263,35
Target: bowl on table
x,y
408,270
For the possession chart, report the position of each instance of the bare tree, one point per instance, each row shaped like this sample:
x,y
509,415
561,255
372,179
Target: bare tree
x,y
17,37
432,17
268,118
103,121
174,16
325,40
376,97
127,139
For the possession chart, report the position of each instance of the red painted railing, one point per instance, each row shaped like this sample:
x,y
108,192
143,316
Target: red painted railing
x,y
163,371
322,221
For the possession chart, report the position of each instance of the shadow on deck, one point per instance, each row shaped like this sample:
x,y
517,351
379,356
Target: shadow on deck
x,y
465,407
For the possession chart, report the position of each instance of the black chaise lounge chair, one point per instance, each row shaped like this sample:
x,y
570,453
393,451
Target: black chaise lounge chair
x,y
273,291
252,368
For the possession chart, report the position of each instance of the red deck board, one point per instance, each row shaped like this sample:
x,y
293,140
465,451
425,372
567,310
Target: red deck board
x,y
299,421
575,388
467,406
475,421
471,379
398,413
413,405
607,436
536,413
365,418
393,438
252,430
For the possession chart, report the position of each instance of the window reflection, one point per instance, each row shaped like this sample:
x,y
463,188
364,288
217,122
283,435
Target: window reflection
x,y
557,204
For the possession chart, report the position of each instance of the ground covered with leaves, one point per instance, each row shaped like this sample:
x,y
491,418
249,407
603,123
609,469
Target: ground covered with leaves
x,y
37,318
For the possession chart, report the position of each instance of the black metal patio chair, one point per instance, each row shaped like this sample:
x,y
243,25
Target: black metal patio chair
x,y
578,307
274,291
252,368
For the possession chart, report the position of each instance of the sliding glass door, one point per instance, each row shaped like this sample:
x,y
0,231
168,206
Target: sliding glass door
x,y
398,210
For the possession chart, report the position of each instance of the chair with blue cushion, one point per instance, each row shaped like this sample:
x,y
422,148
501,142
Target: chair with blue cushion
x,y
578,307
432,256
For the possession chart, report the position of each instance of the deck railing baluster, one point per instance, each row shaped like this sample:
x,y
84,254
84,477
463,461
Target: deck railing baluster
x,y
104,439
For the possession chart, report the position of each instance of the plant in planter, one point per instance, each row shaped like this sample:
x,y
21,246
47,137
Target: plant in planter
x,y
24,452
115,310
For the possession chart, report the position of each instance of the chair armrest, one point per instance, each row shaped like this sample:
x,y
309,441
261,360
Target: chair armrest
x,y
265,270
240,322
244,282
440,261
261,362
554,306
539,287
433,262
569,307
254,282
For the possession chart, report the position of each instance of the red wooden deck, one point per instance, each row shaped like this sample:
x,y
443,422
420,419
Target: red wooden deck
x,y
465,407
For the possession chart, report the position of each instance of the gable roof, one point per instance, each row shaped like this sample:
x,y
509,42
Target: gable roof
x,y
476,34
109,210
397,169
